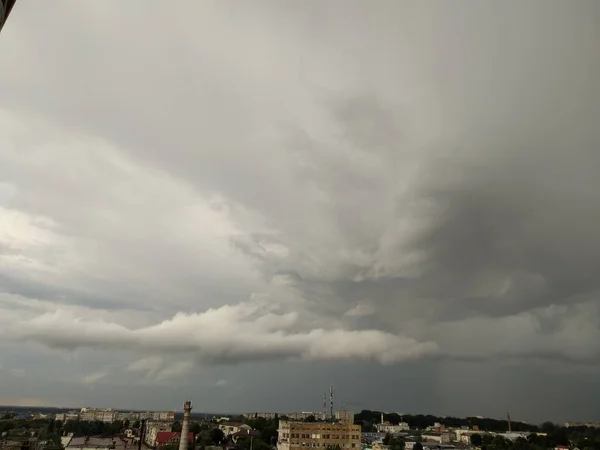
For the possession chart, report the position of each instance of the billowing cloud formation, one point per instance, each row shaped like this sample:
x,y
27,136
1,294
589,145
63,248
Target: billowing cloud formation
x,y
337,181
225,335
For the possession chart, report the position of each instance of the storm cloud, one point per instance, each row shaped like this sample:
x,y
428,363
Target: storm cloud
x,y
206,193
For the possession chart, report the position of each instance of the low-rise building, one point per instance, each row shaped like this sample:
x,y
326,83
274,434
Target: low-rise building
x,y
432,437
409,444
152,430
244,434
229,428
387,427
369,437
170,438
514,435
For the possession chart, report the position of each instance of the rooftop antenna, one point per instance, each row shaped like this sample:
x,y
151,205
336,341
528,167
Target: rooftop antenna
x,y
331,401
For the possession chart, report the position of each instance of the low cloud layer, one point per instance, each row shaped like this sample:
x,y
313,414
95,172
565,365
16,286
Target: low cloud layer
x,y
229,334
375,189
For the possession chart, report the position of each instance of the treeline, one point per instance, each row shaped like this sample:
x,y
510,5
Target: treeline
x,y
14,425
43,429
559,436
368,420
266,427
95,428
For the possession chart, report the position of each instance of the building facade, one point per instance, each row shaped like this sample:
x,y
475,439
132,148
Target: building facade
x,y
153,428
303,435
387,427
229,428
93,415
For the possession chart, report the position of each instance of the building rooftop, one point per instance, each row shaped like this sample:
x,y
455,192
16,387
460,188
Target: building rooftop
x,y
165,436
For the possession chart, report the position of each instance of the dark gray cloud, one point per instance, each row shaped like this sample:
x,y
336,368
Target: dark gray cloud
x,y
413,185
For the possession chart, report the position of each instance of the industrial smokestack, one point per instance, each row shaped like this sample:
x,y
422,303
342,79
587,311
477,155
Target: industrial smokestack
x,y
323,413
185,426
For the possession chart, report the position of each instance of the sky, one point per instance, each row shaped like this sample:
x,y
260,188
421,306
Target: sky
x,y
240,203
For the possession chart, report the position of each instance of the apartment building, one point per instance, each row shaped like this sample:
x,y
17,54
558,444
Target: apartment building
x,y
93,414
303,435
63,417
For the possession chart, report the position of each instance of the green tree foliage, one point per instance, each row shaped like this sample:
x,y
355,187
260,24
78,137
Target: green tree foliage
x,y
418,446
476,440
266,427
176,427
395,443
195,428
368,418
203,439
254,443
217,436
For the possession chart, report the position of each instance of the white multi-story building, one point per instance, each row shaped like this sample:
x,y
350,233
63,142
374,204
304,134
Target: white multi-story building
x,y
387,427
63,417
93,414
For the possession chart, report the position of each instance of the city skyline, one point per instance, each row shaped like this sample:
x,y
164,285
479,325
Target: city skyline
x,y
242,203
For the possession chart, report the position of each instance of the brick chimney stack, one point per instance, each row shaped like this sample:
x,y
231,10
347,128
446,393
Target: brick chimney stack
x,y
185,427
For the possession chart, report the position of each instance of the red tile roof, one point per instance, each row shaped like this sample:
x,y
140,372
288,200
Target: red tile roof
x,y
163,437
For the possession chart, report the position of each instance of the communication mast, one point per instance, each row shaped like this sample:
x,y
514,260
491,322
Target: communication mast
x,y
331,401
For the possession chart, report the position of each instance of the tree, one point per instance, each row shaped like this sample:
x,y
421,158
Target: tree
x,y
115,427
476,440
548,427
217,436
418,446
176,427
394,442
499,443
204,439
311,418
256,444
195,428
